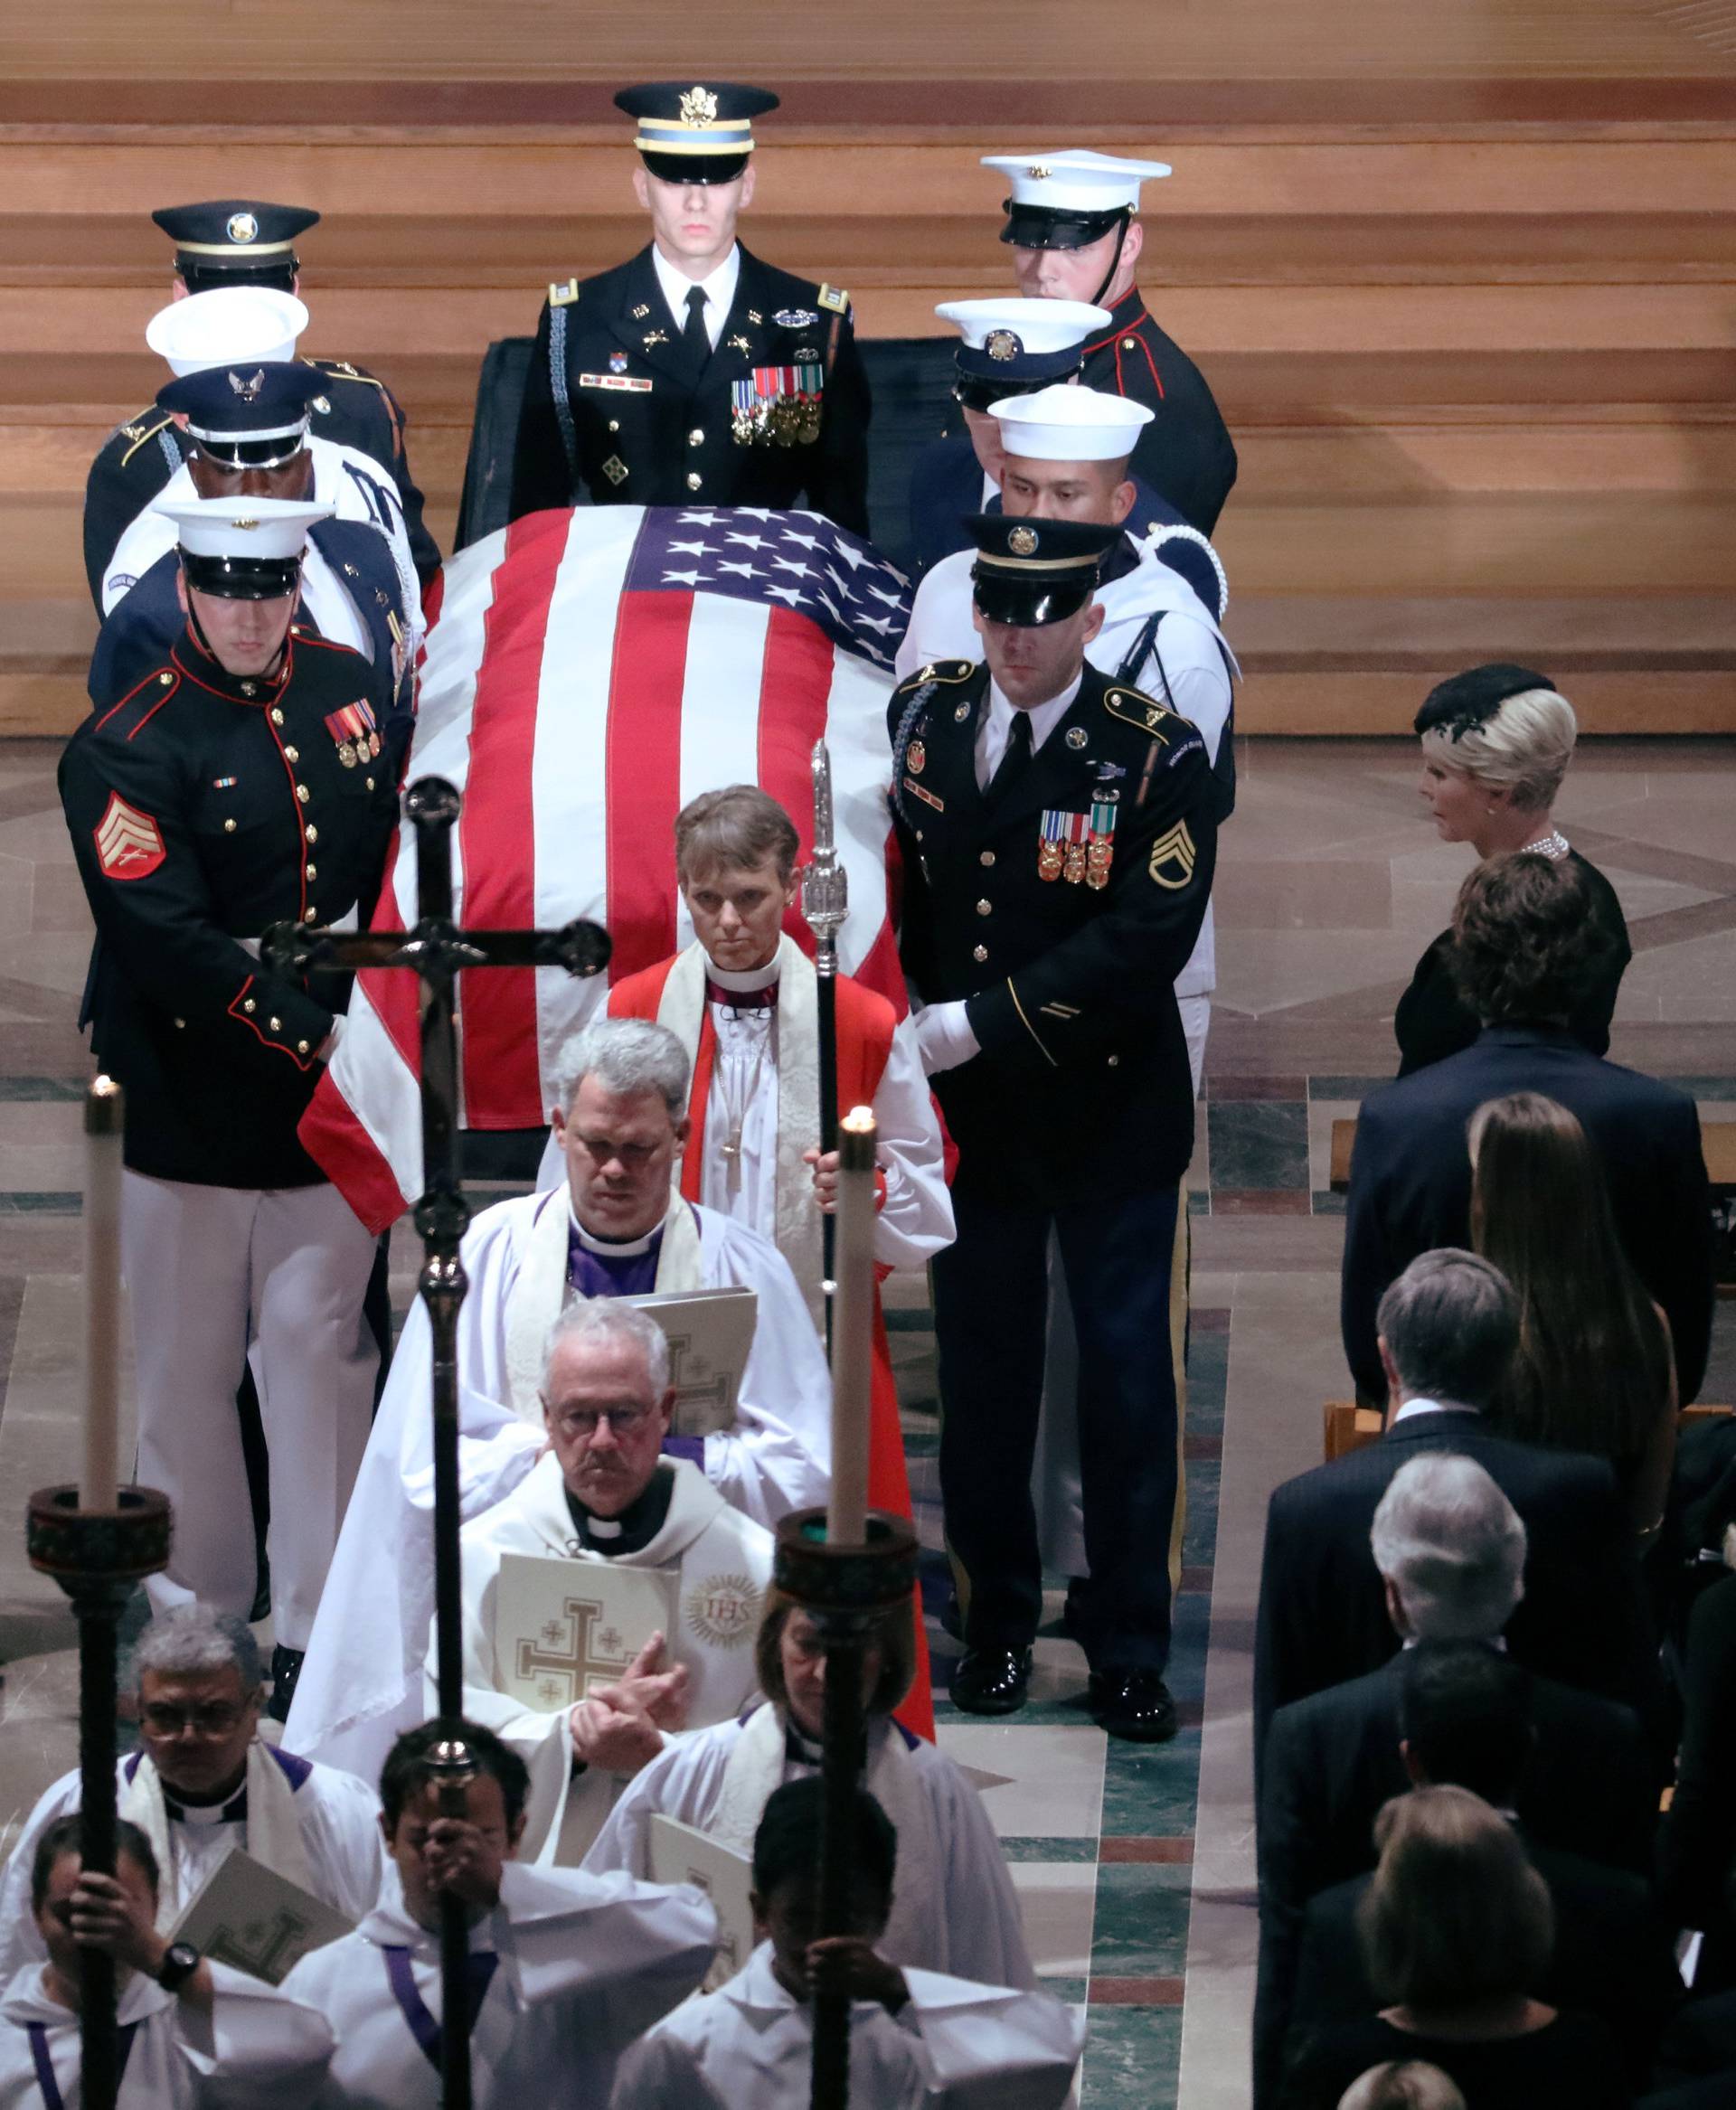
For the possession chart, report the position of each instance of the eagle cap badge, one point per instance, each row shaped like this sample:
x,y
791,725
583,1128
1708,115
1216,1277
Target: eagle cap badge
x,y
242,227
698,107
1022,542
1002,345
248,390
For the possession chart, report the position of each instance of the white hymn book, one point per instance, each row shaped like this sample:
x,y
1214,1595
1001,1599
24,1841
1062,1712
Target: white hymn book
x,y
251,1918
710,1332
564,1627
680,1854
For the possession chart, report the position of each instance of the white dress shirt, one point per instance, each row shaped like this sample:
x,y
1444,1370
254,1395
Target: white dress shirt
x,y
719,289
997,729
1422,1406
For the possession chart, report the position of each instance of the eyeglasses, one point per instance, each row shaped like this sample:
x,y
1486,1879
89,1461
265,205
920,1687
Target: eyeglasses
x,y
625,1421
215,1720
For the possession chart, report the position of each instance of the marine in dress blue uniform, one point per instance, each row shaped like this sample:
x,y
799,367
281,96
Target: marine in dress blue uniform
x,y
1072,201
230,242
1054,885
760,399
237,786
254,421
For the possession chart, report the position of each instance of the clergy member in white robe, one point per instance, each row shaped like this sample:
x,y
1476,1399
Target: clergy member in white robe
x,y
742,1000
919,2040
614,1229
192,2032
566,1970
194,1798
606,1494
954,1908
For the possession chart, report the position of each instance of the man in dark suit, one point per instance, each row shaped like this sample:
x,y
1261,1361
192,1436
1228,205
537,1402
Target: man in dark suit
x,y
694,374
1522,931
1057,833
1467,1724
1447,1328
1450,1549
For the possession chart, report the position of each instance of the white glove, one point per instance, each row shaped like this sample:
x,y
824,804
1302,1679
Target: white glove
x,y
943,1036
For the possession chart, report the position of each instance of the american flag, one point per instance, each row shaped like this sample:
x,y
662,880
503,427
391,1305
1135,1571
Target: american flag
x,y
588,673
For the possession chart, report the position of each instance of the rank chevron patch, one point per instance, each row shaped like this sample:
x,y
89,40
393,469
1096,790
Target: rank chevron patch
x,y
129,843
1173,858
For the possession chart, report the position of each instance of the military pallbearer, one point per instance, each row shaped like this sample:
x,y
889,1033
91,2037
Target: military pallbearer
x,y
695,374
1059,831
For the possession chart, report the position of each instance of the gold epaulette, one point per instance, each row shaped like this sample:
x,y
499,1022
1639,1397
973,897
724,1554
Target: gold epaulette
x,y
943,670
141,432
1133,707
834,298
563,292
341,370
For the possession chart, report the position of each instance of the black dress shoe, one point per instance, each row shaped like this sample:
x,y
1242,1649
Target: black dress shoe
x,y
1134,1705
286,1668
991,1681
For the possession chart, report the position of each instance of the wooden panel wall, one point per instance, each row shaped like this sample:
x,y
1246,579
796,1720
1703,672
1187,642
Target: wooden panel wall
x,y
1467,301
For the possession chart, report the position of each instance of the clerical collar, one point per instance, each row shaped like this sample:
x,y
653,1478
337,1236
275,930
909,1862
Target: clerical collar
x,y
634,1528
801,1749
613,1249
232,1812
743,988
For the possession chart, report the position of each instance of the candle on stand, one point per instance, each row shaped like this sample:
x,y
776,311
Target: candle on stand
x,y
98,1481
853,1330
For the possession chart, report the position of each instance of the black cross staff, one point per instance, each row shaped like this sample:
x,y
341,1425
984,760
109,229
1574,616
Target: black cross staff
x,y
437,952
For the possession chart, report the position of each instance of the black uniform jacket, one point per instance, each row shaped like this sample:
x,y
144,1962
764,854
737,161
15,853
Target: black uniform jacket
x,y
1431,1023
141,629
1186,454
201,809
1081,1087
1411,1180
138,458
615,407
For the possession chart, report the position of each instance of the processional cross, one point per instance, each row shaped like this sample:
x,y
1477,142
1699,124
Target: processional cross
x,y
437,951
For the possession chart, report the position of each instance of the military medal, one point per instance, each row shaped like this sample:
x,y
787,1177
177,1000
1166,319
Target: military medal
x,y
354,730
1064,846
915,758
778,406
1099,850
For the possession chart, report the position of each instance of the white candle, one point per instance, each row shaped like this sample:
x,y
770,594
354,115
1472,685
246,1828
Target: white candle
x,y
853,1330
102,1135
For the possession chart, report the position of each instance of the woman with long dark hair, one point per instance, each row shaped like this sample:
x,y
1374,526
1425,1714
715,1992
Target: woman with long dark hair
x,y
1594,1369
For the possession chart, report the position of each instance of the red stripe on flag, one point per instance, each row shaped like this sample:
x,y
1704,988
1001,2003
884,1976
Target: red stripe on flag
x,y
641,764
345,1152
498,1048
795,687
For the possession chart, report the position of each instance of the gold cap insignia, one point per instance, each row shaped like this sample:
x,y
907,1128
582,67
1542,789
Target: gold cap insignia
x,y
242,227
698,107
1038,172
248,390
1002,345
245,526
1023,541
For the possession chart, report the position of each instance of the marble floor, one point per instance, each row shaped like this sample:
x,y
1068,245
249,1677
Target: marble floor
x,y
1134,1865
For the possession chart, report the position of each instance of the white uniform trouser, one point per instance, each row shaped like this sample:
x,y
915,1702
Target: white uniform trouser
x,y
1055,1473
208,1269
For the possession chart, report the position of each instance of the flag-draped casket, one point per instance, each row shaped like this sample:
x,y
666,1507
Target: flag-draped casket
x,y
587,673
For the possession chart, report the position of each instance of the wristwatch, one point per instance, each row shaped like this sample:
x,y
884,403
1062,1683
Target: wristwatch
x,y
180,1961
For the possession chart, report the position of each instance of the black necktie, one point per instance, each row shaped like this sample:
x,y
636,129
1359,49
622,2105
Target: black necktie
x,y
696,336
1013,764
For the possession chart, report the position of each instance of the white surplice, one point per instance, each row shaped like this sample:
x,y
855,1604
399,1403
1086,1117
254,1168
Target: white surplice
x,y
337,1818
713,1549
585,1964
260,2049
361,1683
954,1907
954,2046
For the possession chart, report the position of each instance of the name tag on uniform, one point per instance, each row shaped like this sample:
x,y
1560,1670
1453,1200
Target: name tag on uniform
x,y
634,384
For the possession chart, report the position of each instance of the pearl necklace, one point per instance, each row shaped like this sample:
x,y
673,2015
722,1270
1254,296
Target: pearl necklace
x,y
1554,846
